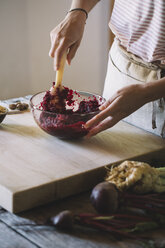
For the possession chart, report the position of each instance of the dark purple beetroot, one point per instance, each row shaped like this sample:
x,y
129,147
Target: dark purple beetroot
x,y
104,198
63,220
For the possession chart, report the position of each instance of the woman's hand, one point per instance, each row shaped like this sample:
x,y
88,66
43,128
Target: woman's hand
x,y
66,37
120,105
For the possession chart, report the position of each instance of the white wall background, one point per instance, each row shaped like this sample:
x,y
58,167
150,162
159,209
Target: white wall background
x,y
26,68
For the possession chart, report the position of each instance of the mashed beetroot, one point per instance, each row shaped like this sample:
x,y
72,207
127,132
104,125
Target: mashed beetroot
x,y
57,103
63,126
60,117
65,98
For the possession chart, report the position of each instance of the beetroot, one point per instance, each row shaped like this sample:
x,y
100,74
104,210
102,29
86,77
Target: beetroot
x,y
63,220
104,198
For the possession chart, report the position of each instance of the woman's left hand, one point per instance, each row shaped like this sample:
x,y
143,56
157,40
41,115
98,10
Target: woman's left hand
x,y
126,101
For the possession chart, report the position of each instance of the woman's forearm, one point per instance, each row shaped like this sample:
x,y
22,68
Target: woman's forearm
x,y
84,4
155,90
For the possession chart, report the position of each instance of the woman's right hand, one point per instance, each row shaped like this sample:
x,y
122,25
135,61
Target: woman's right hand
x,y
66,37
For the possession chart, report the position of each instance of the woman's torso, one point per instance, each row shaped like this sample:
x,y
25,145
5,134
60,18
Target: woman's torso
x,y
140,27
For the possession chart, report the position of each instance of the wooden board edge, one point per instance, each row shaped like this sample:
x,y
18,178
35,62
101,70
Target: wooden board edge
x,y
58,190
6,198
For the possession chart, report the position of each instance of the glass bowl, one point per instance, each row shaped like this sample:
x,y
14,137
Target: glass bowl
x,y
3,113
63,126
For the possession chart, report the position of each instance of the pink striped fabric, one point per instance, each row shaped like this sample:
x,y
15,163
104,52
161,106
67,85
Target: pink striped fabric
x,y
140,27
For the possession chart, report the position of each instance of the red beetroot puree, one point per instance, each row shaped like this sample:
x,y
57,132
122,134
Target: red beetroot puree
x,y
63,122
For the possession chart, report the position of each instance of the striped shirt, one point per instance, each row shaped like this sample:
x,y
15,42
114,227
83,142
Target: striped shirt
x,y
140,27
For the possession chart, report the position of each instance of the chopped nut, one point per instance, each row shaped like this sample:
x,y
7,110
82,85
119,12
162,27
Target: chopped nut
x,y
26,106
20,106
12,106
18,103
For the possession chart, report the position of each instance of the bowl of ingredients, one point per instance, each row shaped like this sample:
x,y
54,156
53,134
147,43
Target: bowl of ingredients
x,y
64,114
3,113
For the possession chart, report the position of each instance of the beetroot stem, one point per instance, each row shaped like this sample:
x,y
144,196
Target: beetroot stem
x,y
149,197
154,204
103,227
134,217
151,208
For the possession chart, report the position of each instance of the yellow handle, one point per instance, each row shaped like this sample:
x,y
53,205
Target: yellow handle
x,y
59,73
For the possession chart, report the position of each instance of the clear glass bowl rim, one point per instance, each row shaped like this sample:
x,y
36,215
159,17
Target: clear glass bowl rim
x,y
80,92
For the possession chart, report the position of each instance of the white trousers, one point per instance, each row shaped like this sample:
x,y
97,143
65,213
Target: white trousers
x,y
125,69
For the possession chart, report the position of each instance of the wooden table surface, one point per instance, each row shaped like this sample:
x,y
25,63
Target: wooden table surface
x,y
15,234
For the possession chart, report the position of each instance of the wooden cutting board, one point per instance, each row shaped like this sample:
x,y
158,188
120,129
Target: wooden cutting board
x,y
36,168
